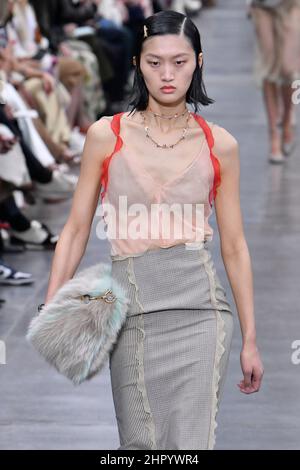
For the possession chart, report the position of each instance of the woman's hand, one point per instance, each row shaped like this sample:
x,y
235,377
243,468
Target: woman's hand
x,y
6,143
69,28
9,112
48,82
252,368
65,49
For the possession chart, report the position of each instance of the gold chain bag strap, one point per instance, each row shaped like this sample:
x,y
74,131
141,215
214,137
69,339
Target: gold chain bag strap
x,y
77,329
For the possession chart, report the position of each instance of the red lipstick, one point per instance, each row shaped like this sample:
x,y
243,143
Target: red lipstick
x,y
168,89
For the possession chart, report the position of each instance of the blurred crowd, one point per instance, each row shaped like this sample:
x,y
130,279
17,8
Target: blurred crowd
x,y
63,65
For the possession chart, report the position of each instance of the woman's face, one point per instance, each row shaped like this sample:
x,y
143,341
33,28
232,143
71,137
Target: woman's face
x,y
168,61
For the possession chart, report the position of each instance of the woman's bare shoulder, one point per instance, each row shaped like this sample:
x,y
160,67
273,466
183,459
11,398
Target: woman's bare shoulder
x,y
101,135
226,145
101,129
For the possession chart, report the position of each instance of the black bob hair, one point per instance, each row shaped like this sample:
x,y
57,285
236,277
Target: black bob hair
x,y
161,23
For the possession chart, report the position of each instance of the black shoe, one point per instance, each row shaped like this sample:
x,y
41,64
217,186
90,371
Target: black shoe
x,y
9,276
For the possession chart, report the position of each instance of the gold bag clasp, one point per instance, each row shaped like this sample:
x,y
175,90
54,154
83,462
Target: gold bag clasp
x,y
108,297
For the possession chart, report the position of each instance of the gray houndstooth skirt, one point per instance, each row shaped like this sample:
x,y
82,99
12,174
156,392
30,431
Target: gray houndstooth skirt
x,y
169,363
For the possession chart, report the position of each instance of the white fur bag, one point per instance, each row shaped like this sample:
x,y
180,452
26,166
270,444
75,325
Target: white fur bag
x,y
76,330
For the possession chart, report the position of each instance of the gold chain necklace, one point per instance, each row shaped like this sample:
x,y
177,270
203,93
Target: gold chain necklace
x,y
165,146
165,116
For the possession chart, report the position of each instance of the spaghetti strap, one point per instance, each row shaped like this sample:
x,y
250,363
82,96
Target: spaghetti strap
x,y
215,162
115,126
115,123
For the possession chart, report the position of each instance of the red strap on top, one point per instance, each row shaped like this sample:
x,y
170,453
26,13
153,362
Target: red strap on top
x,y
115,125
215,162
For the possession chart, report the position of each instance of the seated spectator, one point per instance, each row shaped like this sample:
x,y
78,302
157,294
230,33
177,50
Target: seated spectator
x,y
51,102
20,166
115,41
31,234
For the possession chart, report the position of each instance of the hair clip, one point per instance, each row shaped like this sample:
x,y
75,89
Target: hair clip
x,y
145,31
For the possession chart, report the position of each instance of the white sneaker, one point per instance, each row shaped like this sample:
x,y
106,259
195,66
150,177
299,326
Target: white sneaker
x,y
11,277
62,185
37,237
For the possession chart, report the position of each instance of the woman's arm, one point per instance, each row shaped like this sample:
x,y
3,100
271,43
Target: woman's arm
x,y
75,234
235,254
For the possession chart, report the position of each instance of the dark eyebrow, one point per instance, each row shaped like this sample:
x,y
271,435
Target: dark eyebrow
x,y
173,57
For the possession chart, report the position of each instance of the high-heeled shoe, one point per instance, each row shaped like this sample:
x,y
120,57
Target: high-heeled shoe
x,y
277,158
288,147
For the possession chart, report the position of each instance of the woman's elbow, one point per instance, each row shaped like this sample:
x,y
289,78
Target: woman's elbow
x,y
233,246
74,229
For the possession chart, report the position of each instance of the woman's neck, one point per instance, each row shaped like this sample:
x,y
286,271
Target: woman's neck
x,y
166,118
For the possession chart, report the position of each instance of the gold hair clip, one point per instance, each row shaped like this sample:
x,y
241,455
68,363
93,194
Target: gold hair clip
x,y
145,31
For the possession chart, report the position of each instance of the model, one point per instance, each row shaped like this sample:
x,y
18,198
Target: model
x,y
277,69
162,168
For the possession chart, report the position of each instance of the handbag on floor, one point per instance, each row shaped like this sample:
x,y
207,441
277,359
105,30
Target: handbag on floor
x,y
266,3
75,331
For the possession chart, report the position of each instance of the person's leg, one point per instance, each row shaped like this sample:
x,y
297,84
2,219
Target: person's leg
x,y
264,28
56,149
93,95
10,212
36,170
287,127
29,132
7,121
30,233
71,74
290,70
51,109
271,100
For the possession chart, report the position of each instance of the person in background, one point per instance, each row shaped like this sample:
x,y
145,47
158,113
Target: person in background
x,y
81,20
276,67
